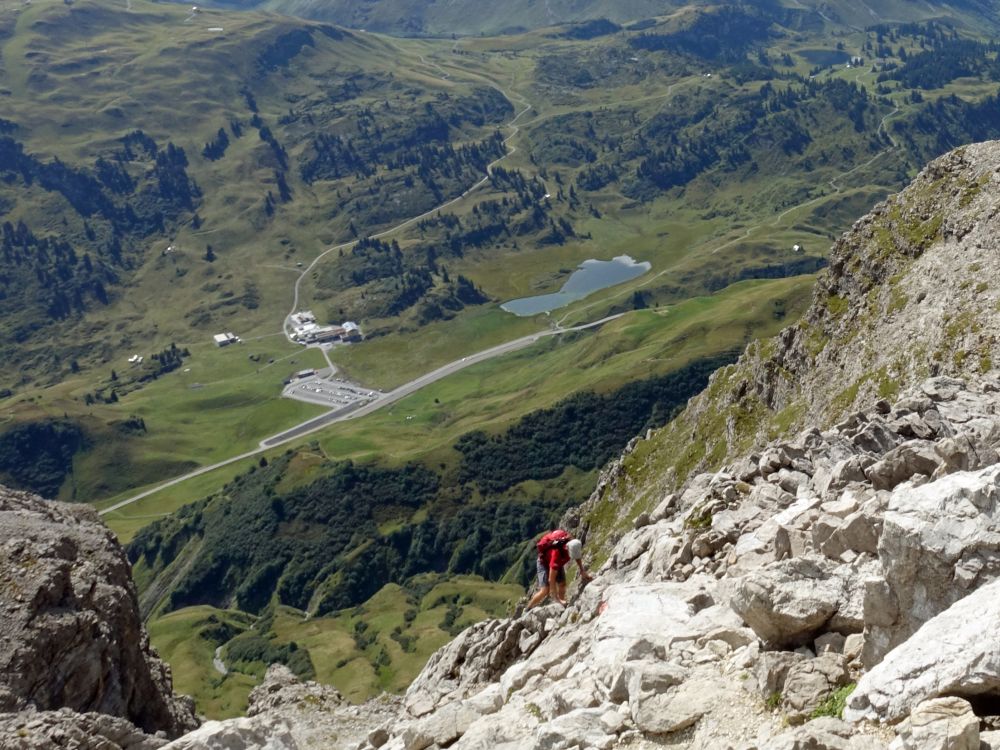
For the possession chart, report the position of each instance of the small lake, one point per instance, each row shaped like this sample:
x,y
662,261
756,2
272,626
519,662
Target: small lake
x,y
591,276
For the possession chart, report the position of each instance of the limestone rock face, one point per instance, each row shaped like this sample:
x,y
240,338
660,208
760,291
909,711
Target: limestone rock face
x,y
788,602
285,713
70,633
955,653
940,724
939,541
52,730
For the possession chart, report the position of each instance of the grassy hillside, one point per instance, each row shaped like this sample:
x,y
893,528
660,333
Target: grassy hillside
x,y
713,180
380,645
166,187
424,17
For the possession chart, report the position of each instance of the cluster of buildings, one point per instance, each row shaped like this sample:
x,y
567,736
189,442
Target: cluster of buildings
x,y
135,359
306,330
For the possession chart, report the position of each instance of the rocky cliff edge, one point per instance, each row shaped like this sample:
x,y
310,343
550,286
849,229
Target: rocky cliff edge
x,y
75,659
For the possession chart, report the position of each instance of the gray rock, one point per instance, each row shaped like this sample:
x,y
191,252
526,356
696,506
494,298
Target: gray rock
x,y
955,653
858,533
940,724
258,733
936,545
830,643
809,682
442,727
819,734
50,730
648,678
903,462
664,509
788,602
282,688
771,669
965,453
678,708
989,740
843,473
942,388
69,617
584,728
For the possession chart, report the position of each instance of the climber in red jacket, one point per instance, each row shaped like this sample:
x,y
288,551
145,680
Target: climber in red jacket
x,y
555,549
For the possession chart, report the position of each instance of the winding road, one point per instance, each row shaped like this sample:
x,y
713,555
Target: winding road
x,y
511,150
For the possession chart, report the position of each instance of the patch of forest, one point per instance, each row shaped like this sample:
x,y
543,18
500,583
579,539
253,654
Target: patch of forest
x,y
38,456
385,280
59,271
319,546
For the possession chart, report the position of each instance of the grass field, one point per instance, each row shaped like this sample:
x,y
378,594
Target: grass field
x,y
220,403
415,614
492,394
180,639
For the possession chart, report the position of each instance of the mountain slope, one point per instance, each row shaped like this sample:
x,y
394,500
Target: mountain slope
x,y
832,588
888,313
466,17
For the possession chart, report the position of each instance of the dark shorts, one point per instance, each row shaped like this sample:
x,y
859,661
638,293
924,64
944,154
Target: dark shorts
x,y
543,574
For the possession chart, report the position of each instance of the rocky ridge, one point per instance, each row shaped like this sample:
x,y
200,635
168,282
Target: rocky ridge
x,y
834,590
75,659
910,293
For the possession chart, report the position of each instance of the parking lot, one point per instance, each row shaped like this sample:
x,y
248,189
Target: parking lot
x,y
333,393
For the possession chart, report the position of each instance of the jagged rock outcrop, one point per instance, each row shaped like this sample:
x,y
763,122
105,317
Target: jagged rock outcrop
x,y
70,633
285,713
49,730
939,541
700,611
956,653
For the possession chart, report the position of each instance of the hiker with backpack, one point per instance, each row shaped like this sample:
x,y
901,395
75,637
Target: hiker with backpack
x,y
555,549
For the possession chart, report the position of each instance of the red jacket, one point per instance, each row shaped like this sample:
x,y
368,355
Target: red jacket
x,y
553,555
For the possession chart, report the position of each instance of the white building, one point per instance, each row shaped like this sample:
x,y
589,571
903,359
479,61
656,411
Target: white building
x,y
306,330
225,339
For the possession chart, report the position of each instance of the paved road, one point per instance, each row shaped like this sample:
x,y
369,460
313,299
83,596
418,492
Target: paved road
x,y
354,411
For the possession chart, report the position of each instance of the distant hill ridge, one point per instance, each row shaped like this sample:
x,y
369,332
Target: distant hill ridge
x,y
471,17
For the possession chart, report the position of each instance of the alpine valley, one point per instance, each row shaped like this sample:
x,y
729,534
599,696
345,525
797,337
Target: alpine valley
x,y
176,178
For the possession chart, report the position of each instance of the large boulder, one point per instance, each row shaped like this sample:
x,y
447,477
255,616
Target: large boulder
x,y
939,541
55,730
825,733
914,457
940,724
69,615
788,602
285,713
810,682
956,653
478,655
